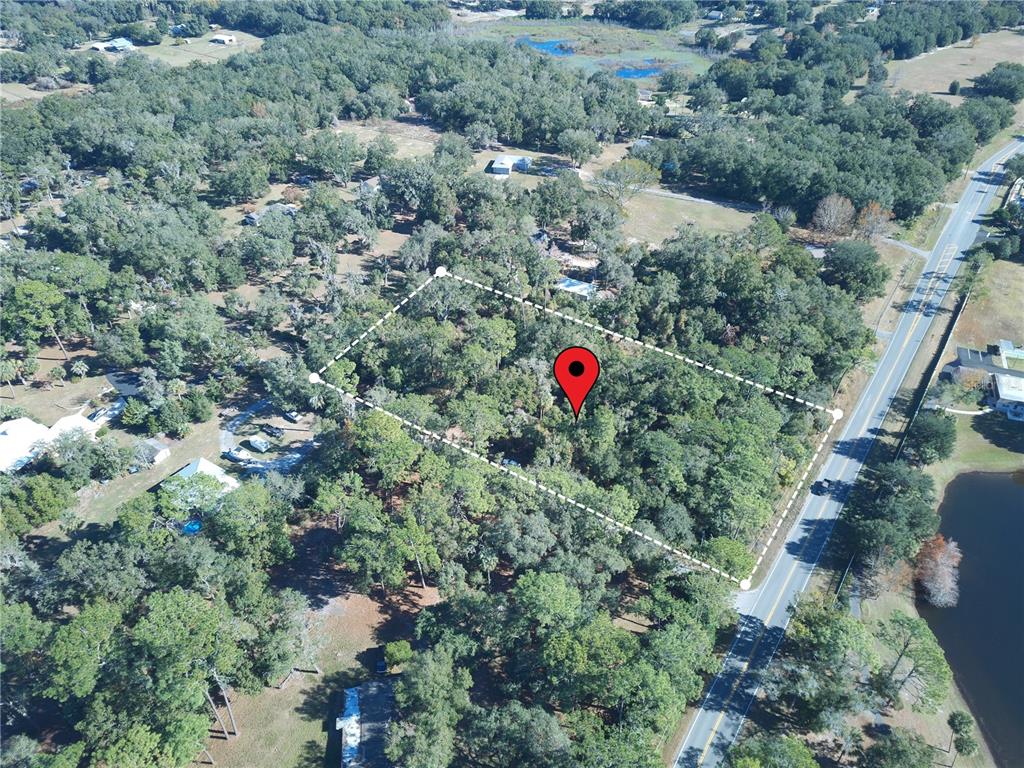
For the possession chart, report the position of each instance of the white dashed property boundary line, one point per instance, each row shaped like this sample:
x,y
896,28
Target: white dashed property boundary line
x,y
644,344
378,324
609,521
836,414
794,496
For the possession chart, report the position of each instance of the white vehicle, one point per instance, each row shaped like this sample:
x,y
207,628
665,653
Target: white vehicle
x,y
238,455
258,444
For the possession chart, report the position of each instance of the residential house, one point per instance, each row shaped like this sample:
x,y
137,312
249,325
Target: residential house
x,y
503,165
119,45
20,441
1009,395
205,467
253,219
364,724
578,287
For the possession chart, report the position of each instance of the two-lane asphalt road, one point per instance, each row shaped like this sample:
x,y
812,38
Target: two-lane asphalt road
x,y
763,611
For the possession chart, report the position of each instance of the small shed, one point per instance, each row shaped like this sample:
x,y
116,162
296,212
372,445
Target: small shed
x,y
154,451
714,15
568,284
223,38
502,165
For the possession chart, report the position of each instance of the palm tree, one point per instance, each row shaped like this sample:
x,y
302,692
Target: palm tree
x,y
8,372
177,388
57,375
79,368
316,400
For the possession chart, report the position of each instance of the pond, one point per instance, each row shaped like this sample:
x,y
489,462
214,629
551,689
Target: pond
x,y
553,47
983,636
637,73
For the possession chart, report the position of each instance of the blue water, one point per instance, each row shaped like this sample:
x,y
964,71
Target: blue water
x,y
192,527
553,47
636,73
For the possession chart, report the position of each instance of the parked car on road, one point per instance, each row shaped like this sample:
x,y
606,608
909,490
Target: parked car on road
x,y
821,488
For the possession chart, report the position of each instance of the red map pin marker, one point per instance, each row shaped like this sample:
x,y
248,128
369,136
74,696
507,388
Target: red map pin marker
x,y
576,371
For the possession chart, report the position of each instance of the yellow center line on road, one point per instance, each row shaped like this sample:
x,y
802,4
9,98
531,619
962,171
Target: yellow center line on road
x,y
949,253
757,643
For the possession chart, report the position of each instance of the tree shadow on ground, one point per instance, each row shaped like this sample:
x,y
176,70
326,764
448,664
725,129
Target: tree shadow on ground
x,y
1000,431
312,571
807,548
400,610
323,702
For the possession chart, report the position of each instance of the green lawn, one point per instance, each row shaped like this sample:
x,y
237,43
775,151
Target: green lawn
x,y
988,443
931,726
175,52
653,218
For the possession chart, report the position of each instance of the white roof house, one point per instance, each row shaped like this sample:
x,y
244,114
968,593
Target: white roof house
x,y
205,467
72,422
1009,392
223,39
20,441
503,165
119,44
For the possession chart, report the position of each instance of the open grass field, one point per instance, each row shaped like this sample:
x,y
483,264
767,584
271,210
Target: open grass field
x,y
932,72
413,139
986,443
598,45
47,406
177,53
12,93
994,310
653,218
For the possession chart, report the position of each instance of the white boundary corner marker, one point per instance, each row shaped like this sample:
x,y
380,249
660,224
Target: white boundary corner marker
x,y
440,272
609,521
